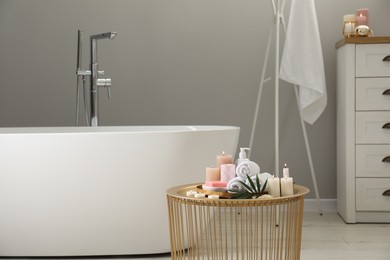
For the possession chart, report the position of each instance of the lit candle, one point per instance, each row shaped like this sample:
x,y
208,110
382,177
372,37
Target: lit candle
x,y
224,159
286,171
363,12
273,185
287,186
213,196
200,195
228,172
212,174
191,193
361,20
349,28
349,25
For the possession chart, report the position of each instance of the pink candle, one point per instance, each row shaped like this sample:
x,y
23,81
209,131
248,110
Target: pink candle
x,y
363,12
361,20
228,172
212,174
224,159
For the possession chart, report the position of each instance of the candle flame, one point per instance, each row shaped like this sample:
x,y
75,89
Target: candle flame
x,y
285,165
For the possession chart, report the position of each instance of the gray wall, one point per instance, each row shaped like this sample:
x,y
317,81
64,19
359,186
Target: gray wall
x,y
173,62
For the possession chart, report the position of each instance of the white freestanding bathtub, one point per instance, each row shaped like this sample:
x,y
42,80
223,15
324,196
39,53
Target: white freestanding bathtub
x,y
77,191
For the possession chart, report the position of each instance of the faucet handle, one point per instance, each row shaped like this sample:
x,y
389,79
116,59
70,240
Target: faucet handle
x,y
105,83
109,91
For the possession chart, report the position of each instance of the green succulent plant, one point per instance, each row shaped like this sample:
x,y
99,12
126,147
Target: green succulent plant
x,y
251,191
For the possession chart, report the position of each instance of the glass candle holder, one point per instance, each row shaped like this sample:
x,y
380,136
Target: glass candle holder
x,y
362,16
349,25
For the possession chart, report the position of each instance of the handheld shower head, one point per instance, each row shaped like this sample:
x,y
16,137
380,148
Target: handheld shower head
x,y
107,35
112,35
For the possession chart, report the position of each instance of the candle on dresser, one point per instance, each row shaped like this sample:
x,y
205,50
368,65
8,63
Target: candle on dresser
x,y
349,28
349,25
212,174
286,171
286,186
228,172
224,159
362,12
361,20
273,185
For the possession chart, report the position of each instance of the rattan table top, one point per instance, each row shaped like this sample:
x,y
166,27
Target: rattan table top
x,y
179,192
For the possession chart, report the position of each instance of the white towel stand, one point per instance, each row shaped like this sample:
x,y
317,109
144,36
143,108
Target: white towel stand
x,y
278,7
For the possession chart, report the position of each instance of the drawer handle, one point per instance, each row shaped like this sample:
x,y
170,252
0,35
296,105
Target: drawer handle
x,y
386,193
386,92
386,126
387,58
386,159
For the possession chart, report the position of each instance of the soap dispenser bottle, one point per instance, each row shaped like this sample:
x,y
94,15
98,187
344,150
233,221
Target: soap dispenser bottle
x,y
242,156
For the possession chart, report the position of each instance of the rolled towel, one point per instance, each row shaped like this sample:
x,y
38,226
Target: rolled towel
x,y
263,177
247,168
235,184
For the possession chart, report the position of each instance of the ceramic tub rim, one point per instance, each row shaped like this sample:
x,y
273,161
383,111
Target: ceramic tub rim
x,y
116,129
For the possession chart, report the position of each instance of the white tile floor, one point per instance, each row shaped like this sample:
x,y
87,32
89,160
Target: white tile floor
x,y
327,237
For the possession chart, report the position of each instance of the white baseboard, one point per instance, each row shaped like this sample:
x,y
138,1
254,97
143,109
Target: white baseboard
x,y
327,205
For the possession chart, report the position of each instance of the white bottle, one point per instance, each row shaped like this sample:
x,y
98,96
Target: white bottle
x,y
242,156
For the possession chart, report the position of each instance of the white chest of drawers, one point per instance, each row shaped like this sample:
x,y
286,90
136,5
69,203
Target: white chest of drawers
x,y
363,129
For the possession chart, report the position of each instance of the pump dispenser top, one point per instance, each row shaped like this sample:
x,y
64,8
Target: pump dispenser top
x,y
242,155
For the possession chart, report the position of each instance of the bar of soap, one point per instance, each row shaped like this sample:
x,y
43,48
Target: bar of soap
x,y
218,184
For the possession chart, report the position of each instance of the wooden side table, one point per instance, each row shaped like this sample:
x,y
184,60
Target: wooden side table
x,y
202,228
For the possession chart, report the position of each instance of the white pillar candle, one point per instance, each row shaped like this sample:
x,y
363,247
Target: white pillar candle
x,y
228,172
287,186
273,186
349,28
286,171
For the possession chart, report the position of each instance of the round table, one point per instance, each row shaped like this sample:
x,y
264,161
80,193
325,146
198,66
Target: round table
x,y
203,228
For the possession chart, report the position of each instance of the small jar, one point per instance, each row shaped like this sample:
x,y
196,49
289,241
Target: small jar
x,y
349,25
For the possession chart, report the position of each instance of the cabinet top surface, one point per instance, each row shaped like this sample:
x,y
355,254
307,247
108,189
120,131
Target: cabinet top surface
x,y
362,40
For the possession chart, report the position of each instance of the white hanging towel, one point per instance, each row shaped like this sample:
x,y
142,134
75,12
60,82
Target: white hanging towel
x,y
302,62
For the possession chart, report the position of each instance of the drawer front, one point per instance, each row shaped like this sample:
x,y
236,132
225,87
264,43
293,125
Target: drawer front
x,y
369,60
373,127
372,94
369,194
373,161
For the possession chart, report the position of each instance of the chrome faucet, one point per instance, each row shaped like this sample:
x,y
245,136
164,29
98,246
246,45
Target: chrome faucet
x,y
95,82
